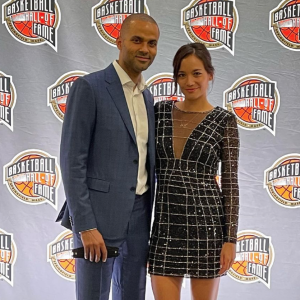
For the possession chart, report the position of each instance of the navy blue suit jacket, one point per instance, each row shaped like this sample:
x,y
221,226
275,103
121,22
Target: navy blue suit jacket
x,y
99,155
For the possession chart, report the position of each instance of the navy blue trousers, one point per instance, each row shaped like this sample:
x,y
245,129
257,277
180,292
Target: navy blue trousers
x,y
127,272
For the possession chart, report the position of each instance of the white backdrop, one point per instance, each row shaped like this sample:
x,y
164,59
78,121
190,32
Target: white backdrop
x,y
46,45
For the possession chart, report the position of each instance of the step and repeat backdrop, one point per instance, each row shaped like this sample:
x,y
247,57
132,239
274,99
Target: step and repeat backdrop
x,y
45,45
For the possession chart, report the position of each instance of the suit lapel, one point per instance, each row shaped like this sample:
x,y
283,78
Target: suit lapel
x,y
116,92
151,125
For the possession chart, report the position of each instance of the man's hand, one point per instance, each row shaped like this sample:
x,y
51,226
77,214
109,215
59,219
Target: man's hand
x,y
227,257
94,246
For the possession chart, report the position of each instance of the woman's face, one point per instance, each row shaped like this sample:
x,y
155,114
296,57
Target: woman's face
x,y
193,78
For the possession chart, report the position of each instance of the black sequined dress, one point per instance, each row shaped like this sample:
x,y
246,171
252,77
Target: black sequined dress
x,y
193,217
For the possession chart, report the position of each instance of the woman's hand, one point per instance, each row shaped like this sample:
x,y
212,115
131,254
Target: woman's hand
x,y
227,257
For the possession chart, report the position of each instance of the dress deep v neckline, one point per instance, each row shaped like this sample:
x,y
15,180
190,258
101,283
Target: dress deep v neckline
x,y
189,136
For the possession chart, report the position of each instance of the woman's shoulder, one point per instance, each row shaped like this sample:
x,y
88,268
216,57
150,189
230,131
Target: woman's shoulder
x,y
224,114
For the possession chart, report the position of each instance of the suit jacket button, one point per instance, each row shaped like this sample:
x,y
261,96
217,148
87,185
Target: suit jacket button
x,y
135,161
132,188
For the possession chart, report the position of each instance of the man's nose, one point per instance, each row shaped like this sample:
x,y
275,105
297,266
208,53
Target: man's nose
x,y
144,48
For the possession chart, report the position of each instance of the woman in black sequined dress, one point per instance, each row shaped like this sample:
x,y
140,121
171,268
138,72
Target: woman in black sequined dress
x,y
195,225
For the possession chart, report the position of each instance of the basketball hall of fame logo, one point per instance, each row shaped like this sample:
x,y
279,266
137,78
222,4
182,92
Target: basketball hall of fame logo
x,y
254,258
282,181
108,16
8,256
59,91
162,87
8,97
211,22
285,24
33,177
59,255
32,22
255,100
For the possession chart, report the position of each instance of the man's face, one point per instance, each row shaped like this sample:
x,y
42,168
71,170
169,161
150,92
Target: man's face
x,y
138,47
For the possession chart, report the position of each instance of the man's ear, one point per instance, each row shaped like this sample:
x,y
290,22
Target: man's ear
x,y
119,42
210,77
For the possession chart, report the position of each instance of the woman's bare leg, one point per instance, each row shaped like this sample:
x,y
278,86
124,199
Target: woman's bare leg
x,y
166,287
205,289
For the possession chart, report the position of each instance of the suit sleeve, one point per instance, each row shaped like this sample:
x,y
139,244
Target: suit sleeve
x,y
229,178
77,133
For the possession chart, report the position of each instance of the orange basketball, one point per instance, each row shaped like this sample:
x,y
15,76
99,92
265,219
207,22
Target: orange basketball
x,y
245,113
291,33
26,187
203,32
286,191
67,264
240,267
25,27
113,29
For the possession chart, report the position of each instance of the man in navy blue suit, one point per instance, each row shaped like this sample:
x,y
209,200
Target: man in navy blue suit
x,y
107,162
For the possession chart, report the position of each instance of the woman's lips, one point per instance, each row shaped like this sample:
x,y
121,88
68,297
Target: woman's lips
x,y
191,90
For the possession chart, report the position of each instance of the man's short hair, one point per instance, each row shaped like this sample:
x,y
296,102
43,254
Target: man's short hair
x,y
134,17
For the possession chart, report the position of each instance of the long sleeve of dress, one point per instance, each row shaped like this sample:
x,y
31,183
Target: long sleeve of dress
x,y
229,178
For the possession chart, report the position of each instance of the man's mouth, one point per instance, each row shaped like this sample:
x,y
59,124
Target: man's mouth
x,y
142,58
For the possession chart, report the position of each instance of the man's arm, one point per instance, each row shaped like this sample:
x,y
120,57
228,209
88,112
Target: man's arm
x,y
77,134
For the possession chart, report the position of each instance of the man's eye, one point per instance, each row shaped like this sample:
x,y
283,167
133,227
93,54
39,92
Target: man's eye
x,y
180,75
153,44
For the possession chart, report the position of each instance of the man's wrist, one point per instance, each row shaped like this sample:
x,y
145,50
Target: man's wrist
x,y
87,230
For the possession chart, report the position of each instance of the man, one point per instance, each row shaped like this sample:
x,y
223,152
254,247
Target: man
x,y
107,163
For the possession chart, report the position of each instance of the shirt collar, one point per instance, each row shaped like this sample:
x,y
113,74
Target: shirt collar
x,y
126,80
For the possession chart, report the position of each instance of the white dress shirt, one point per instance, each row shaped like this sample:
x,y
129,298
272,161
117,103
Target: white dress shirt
x,y
138,114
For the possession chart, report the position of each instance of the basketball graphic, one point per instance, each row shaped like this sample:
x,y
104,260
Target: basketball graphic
x,y
245,113
25,187
162,87
254,258
211,22
203,32
61,101
59,254
255,100
25,27
8,97
240,267
59,91
33,24
108,16
8,256
282,181
33,177
285,24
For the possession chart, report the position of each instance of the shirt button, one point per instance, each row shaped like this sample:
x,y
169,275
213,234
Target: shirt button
x,y
135,161
132,188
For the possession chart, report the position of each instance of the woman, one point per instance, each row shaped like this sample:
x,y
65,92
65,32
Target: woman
x,y
195,225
